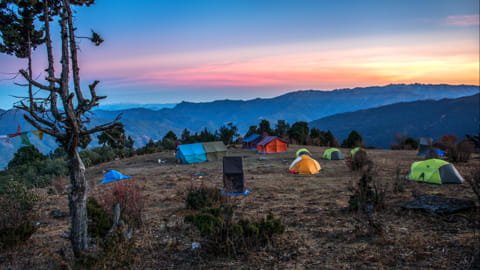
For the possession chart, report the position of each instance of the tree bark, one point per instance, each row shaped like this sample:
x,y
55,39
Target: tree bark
x,y
78,203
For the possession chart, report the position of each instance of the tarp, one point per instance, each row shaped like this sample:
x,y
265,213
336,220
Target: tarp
x,y
438,204
271,144
112,176
333,154
251,141
434,171
214,150
191,153
304,164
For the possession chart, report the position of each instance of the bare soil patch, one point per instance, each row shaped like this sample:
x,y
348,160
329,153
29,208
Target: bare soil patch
x,y
321,233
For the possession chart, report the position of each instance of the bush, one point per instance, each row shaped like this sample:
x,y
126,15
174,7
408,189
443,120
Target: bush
x,y
359,161
227,237
16,215
198,198
473,179
131,200
460,152
366,197
97,155
25,155
99,220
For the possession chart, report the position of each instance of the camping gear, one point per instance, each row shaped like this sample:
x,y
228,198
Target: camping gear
x,y
214,150
191,153
112,176
304,164
424,144
233,179
435,171
271,144
302,151
439,204
251,141
333,154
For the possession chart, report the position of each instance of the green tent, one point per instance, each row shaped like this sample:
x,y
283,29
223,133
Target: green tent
x,y
333,154
214,150
302,151
355,150
435,171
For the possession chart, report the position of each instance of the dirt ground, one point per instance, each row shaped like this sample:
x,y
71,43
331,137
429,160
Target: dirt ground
x,y
321,233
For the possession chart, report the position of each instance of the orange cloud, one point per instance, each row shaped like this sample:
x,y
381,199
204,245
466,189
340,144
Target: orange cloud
x,y
308,65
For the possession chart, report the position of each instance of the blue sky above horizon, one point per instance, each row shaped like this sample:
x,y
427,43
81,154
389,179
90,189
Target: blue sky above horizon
x,y
170,51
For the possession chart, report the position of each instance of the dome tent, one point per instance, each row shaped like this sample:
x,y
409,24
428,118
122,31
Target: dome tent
x,y
333,154
302,151
435,171
304,164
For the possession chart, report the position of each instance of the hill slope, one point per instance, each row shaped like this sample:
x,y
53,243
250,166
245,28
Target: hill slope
x,y
416,119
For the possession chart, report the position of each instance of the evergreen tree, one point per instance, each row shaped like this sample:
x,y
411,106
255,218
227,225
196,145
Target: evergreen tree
x,y
299,132
353,140
251,130
281,128
264,127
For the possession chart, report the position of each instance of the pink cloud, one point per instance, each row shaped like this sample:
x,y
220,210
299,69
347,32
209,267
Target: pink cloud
x,y
463,20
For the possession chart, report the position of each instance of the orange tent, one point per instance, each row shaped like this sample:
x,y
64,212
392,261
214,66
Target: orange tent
x,y
271,144
304,164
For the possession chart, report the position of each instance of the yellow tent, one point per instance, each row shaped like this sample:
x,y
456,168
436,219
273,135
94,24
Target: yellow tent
x,y
304,164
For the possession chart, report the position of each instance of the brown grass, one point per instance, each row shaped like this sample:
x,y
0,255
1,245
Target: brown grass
x,y
320,231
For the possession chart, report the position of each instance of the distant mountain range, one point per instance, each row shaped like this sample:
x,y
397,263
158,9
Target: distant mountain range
x,y
427,118
127,106
144,124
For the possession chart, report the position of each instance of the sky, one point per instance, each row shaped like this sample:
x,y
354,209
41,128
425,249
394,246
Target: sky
x,y
203,50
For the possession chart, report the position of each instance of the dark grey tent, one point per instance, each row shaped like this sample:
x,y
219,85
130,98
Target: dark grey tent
x,y
424,145
233,180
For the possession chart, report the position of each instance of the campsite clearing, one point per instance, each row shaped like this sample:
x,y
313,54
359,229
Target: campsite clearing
x,y
321,233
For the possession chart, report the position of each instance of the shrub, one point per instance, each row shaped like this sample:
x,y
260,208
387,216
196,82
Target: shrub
x,y
227,237
131,200
359,161
16,215
198,198
25,155
460,152
366,197
99,220
473,179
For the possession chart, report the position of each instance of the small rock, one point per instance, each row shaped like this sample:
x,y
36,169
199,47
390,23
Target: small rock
x,y
59,213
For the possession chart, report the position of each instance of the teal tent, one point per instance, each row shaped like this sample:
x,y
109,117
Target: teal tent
x,y
191,153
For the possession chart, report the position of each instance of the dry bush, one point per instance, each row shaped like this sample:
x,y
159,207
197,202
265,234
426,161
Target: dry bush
x,y
359,161
473,179
129,196
368,195
460,152
399,181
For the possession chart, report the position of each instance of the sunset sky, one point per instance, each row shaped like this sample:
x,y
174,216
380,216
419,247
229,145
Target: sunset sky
x,y
202,50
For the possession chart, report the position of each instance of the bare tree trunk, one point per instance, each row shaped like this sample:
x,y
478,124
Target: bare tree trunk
x,y
78,203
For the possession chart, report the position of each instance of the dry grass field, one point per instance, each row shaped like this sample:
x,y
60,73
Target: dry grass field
x,y
321,233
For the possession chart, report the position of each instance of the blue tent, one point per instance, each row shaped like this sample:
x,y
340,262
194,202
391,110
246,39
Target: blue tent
x,y
112,176
191,153
251,141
